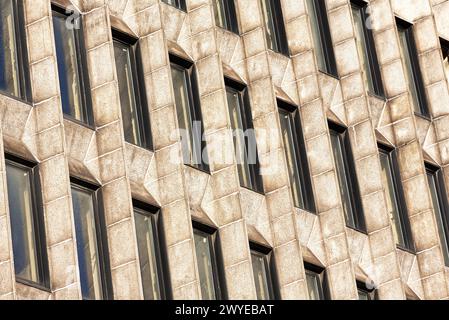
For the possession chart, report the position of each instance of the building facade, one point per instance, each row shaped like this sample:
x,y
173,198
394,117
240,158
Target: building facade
x,y
207,149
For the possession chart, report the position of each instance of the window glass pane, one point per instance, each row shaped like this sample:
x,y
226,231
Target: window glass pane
x,y
314,285
128,102
147,255
260,272
363,295
220,15
431,178
445,50
68,69
22,223
313,15
86,243
205,269
9,65
392,204
270,27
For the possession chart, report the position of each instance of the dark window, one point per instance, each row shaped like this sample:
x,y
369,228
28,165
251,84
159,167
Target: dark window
x,y
244,137
180,4
366,48
14,77
394,194
440,207
316,282
295,153
364,292
274,26
445,52
347,178
263,267
147,233
412,69
188,111
136,125
72,67
207,258
91,242
225,15
27,223
321,36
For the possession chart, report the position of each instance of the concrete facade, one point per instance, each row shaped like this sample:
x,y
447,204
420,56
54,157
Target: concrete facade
x,y
39,132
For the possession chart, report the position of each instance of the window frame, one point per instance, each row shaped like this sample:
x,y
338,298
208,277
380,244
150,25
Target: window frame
x,y
100,233
418,81
140,96
179,4
371,293
38,222
395,172
230,16
321,273
351,180
270,268
279,31
299,147
82,70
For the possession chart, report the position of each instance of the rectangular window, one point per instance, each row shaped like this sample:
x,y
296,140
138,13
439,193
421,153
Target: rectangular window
x,y
206,257
394,194
347,178
274,26
91,243
72,67
295,153
367,50
440,207
147,234
365,293
261,259
412,69
133,102
14,77
180,4
225,15
445,52
188,112
315,279
322,40
27,223
244,136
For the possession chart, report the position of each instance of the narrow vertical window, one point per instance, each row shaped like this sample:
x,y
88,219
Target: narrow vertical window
x,y
132,94
364,293
395,198
225,15
412,69
149,255
445,53
347,178
28,235
188,111
244,136
207,262
14,79
366,48
91,243
72,67
262,271
315,282
180,4
440,207
274,26
322,40
295,154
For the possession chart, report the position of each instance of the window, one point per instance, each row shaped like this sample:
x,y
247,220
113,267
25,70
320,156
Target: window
x,y
321,36
315,279
132,91
225,15
295,153
180,4
274,26
412,70
72,67
188,111
366,48
445,52
347,178
440,207
14,78
149,251
396,206
365,293
244,137
27,223
207,262
91,243
262,265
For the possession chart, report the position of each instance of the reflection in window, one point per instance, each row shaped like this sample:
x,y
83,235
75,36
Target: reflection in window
x,y
315,285
445,52
225,15
274,26
180,4
9,67
262,275
206,264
